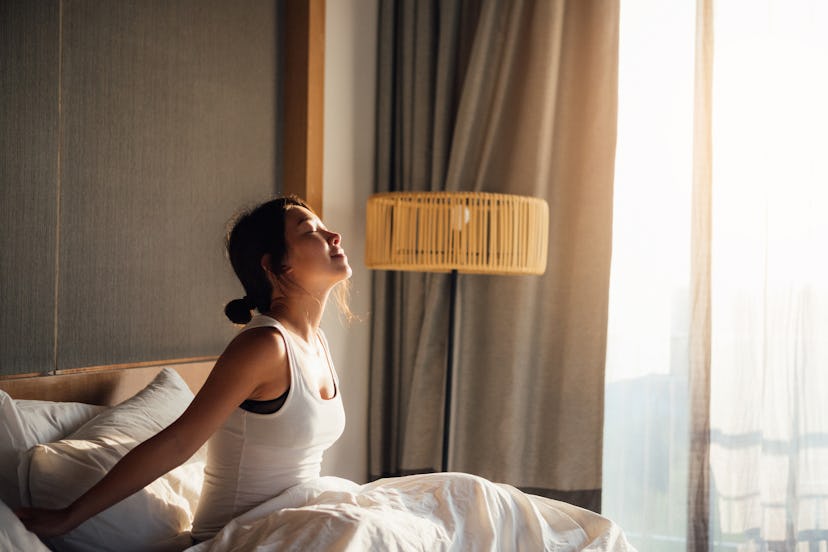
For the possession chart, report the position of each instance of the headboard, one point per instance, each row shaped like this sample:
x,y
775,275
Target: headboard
x,y
106,385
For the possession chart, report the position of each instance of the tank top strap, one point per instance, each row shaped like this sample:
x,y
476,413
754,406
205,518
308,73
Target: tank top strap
x,y
329,359
261,321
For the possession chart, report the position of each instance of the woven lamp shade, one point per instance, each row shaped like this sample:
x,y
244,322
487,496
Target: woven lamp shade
x,y
471,232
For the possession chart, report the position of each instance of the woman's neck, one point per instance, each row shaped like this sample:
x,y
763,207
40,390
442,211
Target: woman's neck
x,y
302,314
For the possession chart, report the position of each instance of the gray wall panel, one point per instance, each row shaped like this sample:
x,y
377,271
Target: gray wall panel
x,y
28,184
169,125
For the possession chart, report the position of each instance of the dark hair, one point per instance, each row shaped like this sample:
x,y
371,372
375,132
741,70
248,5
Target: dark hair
x,y
255,233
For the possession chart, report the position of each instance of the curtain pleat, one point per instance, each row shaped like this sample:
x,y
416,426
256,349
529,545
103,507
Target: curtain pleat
x,y
698,495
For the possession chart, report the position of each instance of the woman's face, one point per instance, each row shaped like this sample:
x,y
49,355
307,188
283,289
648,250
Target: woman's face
x,y
315,258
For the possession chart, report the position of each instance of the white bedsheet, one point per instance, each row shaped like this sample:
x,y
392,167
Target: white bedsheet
x,y
431,512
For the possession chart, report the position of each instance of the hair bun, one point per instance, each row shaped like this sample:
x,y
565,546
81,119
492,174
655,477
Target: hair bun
x,y
238,311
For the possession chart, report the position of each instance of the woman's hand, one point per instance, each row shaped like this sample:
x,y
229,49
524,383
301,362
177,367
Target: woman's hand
x,y
46,523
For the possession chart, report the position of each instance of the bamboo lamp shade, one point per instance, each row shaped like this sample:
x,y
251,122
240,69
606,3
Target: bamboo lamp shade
x,y
471,232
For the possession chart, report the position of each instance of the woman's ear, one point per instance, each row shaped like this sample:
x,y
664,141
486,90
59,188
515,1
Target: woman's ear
x,y
266,264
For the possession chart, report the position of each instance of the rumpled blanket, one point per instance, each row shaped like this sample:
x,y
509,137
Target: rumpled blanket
x,y
429,512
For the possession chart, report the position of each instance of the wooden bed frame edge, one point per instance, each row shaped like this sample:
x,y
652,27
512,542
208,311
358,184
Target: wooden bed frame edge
x,y
102,385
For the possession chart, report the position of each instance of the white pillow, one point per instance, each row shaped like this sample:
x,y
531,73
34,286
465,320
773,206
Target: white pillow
x,y
14,536
55,474
24,424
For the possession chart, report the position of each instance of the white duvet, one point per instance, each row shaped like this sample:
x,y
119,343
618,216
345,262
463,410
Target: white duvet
x,y
431,512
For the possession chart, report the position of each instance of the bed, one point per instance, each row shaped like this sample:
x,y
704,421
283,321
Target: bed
x,y
60,434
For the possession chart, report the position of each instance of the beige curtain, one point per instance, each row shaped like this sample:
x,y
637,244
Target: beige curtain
x,y
512,97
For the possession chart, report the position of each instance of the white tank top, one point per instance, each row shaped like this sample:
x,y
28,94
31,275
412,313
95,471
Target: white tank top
x,y
255,457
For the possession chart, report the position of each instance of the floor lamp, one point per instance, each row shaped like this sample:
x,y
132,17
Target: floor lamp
x,y
456,232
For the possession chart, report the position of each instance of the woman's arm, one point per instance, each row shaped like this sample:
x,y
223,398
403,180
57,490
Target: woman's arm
x,y
255,360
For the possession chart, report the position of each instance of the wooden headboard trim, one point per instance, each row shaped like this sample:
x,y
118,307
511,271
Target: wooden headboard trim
x,y
304,100
103,385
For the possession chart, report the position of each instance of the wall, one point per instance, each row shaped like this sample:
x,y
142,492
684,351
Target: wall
x,y
350,78
28,191
130,132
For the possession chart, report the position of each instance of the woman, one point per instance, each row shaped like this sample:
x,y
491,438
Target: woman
x,y
271,405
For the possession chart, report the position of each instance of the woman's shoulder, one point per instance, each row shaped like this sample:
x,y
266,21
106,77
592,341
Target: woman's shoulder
x,y
260,345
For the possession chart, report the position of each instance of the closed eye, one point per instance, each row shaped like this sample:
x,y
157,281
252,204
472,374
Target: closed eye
x,y
307,227
313,225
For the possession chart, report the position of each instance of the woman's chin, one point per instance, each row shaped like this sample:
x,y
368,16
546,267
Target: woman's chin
x,y
342,260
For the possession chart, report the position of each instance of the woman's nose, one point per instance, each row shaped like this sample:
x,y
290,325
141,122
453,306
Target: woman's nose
x,y
336,238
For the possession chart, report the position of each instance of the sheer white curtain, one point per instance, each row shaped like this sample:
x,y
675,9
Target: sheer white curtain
x,y
768,285
769,385
645,413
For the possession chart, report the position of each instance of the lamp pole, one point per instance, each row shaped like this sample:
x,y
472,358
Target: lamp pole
x,y
449,368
